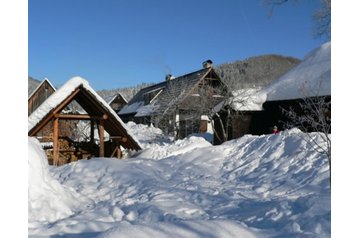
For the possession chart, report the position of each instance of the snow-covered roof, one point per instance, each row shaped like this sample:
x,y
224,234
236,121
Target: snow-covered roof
x,y
110,99
310,78
249,99
170,93
40,84
63,93
146,110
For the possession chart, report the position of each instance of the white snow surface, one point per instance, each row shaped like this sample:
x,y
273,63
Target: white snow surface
x,y
48,201
132,108
61,94
312,77
254,186
248,99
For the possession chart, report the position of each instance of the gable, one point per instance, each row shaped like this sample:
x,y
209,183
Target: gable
x,y
77,89
39,95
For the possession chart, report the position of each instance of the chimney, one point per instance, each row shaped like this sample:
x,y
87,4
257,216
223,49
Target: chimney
x,y
169,77
207,64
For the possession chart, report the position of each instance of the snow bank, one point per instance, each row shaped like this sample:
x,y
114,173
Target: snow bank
x,y
184,229
48,200
270,185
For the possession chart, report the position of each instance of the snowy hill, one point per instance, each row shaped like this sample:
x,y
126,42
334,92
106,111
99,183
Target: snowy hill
x,y
255,186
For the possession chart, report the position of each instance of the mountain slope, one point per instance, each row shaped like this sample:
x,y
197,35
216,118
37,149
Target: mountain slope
x,y
255,71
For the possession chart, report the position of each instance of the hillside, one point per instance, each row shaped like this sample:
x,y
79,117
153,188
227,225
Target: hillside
x,y
255,71
252,72
255,186
128,92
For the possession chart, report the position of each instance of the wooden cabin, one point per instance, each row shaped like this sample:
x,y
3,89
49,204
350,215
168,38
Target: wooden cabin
x,y
117,102
177,104
39,95
233,118
54,125
308,84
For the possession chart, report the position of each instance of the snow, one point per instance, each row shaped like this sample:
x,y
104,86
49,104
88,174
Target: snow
x,y
254,186
248,99
61,94
146,110
131,108
312,77
48,199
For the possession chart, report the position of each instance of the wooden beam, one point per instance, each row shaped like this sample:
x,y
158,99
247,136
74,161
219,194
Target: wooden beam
x,y
121,138
79,116
67,101
55,142
101,138
114,151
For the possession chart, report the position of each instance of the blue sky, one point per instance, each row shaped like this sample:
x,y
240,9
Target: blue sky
x,y
117,43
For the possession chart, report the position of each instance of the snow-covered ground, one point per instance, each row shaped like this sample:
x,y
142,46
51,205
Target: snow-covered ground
x,y
254,186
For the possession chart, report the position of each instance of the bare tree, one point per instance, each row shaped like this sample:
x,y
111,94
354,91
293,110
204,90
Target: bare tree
x,y
313,114
186,104
323,19
322,16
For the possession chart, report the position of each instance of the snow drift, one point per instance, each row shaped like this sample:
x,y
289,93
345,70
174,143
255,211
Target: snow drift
x,y
48,200
254,186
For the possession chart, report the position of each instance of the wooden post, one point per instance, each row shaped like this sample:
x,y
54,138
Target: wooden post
x,y
101,138
55,142
92,131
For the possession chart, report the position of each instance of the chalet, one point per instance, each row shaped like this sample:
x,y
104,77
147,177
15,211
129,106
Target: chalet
x,y
50,123
39,95
178,105
117,102
307,82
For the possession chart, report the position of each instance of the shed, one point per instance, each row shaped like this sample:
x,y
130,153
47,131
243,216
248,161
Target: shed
x,y
97,112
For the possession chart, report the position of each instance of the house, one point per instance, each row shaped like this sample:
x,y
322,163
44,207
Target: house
x,y
233,117
178,105
117,102
51,123
39,95
305,84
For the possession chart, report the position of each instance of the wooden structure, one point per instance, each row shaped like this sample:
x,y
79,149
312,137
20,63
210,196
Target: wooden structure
x,y
98,114
304,85
39,95
173,105
117,102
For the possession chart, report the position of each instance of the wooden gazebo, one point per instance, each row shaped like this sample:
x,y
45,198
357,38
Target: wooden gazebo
x,y
53,114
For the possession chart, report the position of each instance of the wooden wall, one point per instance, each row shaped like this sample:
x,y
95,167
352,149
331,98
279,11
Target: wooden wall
x,y
43,92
